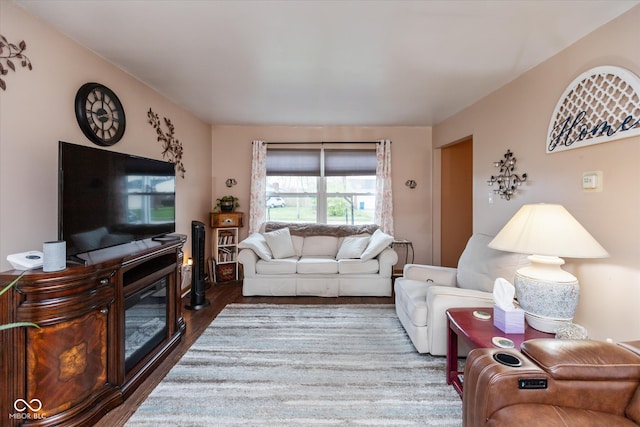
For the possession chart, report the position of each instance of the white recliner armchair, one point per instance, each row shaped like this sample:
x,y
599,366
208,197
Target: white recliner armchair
x,y
425,292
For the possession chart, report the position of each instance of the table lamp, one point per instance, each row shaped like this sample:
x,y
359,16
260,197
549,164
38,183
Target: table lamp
x,y
547,293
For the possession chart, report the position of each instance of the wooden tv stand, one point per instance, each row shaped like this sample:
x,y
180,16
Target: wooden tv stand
x,y
71,370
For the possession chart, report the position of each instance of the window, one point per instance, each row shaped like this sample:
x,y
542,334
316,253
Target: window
x,y
150,199
330,186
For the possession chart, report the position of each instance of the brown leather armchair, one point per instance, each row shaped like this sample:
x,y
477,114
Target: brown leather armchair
x,y
553,383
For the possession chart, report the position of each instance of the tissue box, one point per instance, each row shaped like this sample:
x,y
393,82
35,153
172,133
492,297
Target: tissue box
x,y
509,321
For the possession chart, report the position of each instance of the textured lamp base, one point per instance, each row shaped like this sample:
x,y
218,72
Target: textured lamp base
x,y
546,324
548,306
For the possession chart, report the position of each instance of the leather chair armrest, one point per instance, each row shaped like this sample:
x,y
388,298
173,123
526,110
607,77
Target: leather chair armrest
x,y
490,386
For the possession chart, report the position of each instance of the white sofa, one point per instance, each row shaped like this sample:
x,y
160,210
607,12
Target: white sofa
x,y
289,259
424,292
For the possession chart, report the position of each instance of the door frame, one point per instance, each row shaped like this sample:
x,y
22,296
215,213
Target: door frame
x,y
453,220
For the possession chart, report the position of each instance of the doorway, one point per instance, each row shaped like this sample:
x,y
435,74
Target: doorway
x,y
456,203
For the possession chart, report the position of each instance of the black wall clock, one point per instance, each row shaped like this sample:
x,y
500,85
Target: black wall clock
x,y
100,114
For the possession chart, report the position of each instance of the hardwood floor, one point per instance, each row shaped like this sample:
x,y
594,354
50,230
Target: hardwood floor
x,y
219,295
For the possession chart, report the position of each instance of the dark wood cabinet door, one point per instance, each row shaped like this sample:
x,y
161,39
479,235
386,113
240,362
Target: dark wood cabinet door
x,y
67,361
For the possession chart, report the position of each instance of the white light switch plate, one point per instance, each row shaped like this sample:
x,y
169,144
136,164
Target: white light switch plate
x,y
592,181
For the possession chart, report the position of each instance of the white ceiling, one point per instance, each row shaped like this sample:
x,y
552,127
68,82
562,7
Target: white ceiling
x,y
326,62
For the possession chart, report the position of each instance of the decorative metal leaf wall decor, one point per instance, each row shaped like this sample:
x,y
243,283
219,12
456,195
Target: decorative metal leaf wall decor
x,y
9,53
171,147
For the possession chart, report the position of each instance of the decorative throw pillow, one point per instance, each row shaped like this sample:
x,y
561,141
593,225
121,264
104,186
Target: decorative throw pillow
x,y
280,243
377,243
352,247
258,244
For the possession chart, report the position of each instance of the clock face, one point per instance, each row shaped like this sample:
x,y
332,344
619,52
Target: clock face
x,y
100,114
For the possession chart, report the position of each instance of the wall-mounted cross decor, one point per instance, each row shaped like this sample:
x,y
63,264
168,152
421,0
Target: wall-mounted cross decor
x,y
508,182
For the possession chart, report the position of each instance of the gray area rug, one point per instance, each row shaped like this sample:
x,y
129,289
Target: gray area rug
x,y
303,365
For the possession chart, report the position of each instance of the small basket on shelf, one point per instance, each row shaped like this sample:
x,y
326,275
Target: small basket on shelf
x,y
225,272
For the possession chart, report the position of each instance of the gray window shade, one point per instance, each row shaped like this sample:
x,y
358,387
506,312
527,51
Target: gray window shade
x,y
349,162
293,162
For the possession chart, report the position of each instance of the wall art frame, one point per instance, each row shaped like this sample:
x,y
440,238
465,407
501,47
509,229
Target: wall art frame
x,y
600,105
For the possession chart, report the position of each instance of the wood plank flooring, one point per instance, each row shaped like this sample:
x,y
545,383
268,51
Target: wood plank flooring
x,y
219,295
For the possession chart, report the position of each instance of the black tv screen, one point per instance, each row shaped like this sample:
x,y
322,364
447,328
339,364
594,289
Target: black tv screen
x,y
107,198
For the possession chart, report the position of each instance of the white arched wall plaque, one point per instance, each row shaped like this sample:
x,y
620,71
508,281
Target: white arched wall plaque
x,y
601,105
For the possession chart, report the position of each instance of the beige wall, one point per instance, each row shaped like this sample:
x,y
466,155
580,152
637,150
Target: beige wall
x,y
36,111
517,117
410,159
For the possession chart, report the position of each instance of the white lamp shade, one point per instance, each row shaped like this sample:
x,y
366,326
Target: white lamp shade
x,y
549,230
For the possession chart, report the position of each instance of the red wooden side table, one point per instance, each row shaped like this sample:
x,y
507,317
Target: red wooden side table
x,y
476,333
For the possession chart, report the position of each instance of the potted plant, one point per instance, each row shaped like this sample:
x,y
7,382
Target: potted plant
x,y
227,203
18,324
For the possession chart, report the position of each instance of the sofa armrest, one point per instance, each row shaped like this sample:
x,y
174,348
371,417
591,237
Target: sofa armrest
x,y
248,259
439,300
386,260
445,276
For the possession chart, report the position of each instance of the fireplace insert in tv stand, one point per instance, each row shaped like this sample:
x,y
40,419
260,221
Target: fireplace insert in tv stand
x,y
104,327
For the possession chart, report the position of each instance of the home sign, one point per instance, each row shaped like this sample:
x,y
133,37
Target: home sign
x,y
601,105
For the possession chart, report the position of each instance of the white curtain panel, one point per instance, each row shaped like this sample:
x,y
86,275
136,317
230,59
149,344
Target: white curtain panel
x,y
384,202
257,204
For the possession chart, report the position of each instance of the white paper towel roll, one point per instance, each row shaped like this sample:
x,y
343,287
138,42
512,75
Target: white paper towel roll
x,y
54,256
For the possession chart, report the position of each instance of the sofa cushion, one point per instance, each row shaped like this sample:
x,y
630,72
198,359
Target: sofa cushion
x,y
317,266
377,243
358,266
280,243
277,266
479,266
257,243
352,247
322,246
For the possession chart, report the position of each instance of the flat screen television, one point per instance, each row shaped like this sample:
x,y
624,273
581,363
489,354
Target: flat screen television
x,y
106,198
